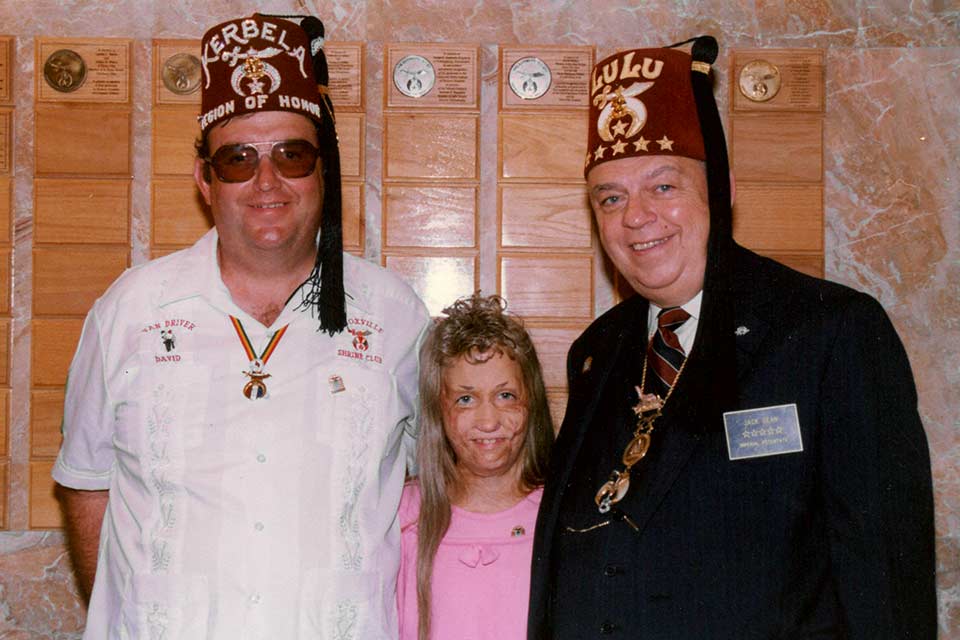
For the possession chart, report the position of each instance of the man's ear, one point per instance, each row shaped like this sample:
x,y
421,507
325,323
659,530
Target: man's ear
x,y
201,175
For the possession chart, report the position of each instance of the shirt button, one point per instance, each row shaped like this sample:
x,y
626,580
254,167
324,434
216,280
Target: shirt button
x,y
607,628
255,598
258,526
611,570
261,457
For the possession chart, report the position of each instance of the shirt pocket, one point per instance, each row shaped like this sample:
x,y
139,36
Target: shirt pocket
x,y
161,408
165,607
347,605
361,402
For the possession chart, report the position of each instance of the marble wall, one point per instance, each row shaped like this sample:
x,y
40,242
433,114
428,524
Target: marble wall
x,y
892,176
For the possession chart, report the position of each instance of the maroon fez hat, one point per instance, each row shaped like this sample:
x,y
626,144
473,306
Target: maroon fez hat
x,y
269,63
660,102
255,64
642,103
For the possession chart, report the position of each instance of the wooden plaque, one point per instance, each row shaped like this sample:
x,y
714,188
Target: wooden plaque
x,y
68,279
777,148
44,508
6,69
545,77
345,64
351,195
552,216
78,140
4,421
799,73
6,265
438,280
101,75
429,216
177,75
52,345
552,344
6,206
46,415
779,217
548,287
543,147
5,345
6,140
426,146
350,131
432,75
174,132
72,211
180,215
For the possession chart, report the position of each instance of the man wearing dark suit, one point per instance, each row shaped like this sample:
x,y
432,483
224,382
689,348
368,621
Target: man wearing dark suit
x,y
741,456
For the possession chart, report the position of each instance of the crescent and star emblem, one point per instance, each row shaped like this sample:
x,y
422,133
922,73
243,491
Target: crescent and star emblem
x,y
617,105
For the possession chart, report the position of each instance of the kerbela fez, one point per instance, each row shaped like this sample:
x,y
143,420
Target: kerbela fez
x,y
257,64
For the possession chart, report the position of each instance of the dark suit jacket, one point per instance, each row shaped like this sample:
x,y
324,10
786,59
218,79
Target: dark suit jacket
x,y
835,541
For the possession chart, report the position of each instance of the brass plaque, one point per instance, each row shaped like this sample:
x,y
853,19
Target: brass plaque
x,y
759,80
181,73
432,76
777,80
65,70
545,77
177,73
6,69
83,70
345,64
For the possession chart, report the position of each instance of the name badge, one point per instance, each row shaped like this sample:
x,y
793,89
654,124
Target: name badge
x,y
766,431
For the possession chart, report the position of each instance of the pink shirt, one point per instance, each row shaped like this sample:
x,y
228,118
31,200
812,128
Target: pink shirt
x,y
481,575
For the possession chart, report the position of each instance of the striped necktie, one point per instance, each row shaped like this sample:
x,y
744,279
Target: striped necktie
x,y
664,354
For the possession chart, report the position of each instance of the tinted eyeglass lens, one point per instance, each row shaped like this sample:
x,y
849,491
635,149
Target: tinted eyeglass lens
x,y
238,162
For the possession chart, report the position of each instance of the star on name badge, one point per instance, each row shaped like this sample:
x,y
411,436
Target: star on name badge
x,y
765,431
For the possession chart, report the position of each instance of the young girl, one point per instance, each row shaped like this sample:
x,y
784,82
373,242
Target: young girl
x,y
467,520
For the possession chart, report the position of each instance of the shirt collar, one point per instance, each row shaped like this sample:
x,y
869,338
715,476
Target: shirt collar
x,y
691,306
198,273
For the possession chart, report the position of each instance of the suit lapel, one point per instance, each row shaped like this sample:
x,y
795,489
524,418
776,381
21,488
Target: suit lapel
x,y
582,405
751,313
677,445
597,358
689,414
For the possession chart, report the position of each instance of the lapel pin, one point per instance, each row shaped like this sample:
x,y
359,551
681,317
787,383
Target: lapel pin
x,y
587,363
336,384
742,331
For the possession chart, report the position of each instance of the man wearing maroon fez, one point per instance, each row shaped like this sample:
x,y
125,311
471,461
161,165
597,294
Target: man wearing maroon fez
x,y
741,455
239,414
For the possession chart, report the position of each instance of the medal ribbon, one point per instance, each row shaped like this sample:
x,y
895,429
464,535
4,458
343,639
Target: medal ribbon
x,y
248,347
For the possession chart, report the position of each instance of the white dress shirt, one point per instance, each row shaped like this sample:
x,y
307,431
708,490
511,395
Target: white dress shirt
x,y
688,330
236,519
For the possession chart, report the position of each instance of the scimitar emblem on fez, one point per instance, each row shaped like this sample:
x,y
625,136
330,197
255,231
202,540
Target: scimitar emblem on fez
x,y
618,105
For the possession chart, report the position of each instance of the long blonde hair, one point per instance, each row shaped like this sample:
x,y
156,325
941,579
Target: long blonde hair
x,y
473,326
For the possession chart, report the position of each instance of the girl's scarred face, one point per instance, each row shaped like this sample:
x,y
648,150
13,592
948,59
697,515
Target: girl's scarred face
x,y
485,415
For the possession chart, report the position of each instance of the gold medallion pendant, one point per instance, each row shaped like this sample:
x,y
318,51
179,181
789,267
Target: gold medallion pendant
x,y
647,410
255,388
